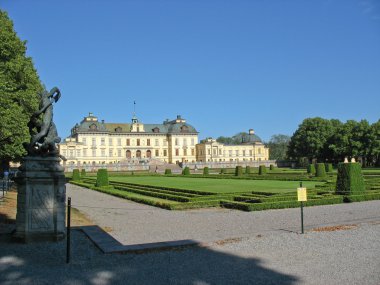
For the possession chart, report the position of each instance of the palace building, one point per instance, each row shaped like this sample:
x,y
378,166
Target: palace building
x,y
94,142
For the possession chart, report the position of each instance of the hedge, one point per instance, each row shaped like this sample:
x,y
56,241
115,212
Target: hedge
x,y
83,173
186,171
350,179
102,178
76,175
205,171
262,170
168,171
328,167
238,171
363,197
320,170
247,169
271,167
223,171
311,169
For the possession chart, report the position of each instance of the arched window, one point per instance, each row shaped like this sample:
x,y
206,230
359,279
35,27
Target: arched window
x,y
138,154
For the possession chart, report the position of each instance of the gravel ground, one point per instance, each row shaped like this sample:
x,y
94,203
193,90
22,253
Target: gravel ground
x,y
134,223
337,257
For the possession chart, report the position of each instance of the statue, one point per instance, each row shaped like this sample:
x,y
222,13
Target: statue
x,y
43,132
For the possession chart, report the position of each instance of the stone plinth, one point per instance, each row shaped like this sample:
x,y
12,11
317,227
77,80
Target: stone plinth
x,y
41,200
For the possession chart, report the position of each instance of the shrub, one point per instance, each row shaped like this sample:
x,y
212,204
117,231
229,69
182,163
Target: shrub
x,y
238,171
350,179
102,178
223,171
329,167
271,167
311,169
83,173
186,171
320,170
76,175
262,170
168,171
205,171
247,169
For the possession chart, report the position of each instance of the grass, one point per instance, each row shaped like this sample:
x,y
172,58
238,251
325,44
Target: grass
x,y
217,185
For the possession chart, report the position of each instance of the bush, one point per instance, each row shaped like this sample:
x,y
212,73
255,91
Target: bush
x,y
271,167
186,171
205,171
320,170
350,180
168,171
83,173
247,169
76,175
223,171
311,169
262,170
102,178
238,171
329,167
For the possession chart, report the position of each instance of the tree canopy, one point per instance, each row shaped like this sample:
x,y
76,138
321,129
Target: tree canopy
x,y
19,88
278,146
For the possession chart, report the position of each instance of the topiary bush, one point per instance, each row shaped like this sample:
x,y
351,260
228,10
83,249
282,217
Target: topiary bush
x,y
223,171
76,175
83,173
329,167
271,167
238,171
247,169
262,170
102,178
205,171
168,171
311,169
320,170
350,179
186,171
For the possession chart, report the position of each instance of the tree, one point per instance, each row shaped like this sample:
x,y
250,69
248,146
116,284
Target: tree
x,y
374,155
19,88
278,146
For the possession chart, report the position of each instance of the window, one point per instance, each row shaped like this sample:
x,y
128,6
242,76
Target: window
x,y
78,152
192,151
165,142
85,152
84,141
230,152
220,152
176,141
250,152
185,142
214,151
165,152
209,151
138,129
102,141
119,141
243,152
103,152
148,142
185,152
192,141
156,142
94,152
237,152
71,152
157,152
177,152
110,152
138,142
93,141
156,130
110,141
64,152
119,152
128,142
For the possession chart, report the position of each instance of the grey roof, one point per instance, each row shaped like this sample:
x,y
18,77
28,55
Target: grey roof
x,y
251,138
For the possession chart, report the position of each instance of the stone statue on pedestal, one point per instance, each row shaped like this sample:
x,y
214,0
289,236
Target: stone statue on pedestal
x,y
41,180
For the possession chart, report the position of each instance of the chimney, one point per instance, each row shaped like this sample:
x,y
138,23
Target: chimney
x,y
251,132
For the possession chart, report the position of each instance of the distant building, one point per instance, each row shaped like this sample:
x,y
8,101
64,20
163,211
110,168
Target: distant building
x,y
251,149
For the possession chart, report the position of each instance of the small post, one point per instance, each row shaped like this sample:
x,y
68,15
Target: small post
x,y
301,212
68,230
3,186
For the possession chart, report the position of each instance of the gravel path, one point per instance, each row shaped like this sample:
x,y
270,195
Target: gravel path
x,y
134,223
339,257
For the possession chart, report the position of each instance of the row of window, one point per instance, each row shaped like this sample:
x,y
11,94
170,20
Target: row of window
x,y
230,152
138,142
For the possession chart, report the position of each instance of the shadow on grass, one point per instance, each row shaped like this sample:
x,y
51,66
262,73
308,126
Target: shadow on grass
x,y
44,263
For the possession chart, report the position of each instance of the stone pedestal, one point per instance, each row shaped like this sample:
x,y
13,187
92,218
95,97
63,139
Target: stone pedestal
x,y
41,200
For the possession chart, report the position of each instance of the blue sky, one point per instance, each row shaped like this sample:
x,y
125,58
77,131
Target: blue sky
x,y
225,66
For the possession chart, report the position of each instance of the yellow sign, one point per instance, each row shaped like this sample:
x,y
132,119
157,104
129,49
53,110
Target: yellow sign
x,y
302,194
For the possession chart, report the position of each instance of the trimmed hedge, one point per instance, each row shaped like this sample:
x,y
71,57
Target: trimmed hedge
x,y
350,180
363,197
320,170
76,175
262,170
247,169
311,169
271,167
83,173
168,171
206,171
186,171
238,171
329,167
223,171
102,178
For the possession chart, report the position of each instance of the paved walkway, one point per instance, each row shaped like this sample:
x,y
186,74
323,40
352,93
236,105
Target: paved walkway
x,y
134,223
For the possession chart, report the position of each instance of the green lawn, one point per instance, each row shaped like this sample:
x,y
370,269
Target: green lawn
x,y
217,185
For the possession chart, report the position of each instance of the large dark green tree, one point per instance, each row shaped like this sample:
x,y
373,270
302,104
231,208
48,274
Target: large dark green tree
x,y
19,88
278,146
